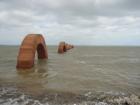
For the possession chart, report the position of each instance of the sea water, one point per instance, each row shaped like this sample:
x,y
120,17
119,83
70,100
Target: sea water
x,y
85,75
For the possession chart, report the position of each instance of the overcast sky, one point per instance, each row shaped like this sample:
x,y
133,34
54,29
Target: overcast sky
x,y
80,22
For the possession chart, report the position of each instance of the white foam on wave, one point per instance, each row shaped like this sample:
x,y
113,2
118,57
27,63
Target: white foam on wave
x,y
112,98
80,62
21,100
11,96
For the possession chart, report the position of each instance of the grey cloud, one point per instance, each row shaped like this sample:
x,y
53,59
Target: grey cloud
x,y
70,19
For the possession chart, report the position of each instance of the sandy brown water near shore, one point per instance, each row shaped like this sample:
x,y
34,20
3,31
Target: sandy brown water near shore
x,y
84,75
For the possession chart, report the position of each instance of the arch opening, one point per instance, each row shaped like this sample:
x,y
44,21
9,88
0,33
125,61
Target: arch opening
x,y
41,52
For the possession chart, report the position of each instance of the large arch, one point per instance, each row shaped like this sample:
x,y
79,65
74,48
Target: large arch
x,y
28,48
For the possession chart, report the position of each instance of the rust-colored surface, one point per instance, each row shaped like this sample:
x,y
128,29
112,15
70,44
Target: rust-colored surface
x,y
63,47
69,46
28,48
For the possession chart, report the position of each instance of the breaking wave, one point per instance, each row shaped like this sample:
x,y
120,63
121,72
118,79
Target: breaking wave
x,y
11,96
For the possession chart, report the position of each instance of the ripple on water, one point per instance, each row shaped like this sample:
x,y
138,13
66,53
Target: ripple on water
x,y
80,62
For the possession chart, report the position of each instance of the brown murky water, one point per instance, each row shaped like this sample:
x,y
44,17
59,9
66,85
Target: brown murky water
x,y
84,75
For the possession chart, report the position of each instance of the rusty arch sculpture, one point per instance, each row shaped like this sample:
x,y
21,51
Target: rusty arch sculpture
x,y
62,47
28,48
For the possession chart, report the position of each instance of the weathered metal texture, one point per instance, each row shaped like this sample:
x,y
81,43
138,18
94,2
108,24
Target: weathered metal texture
x,y
28,48
62,47
69,46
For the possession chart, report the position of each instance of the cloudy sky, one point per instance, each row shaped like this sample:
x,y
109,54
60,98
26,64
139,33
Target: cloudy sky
x,y
80,22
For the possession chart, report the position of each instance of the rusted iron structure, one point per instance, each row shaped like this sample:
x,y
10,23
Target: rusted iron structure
x,y
28,48
63,47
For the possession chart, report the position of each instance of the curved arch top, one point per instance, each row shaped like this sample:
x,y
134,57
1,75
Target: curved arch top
x,y
30,44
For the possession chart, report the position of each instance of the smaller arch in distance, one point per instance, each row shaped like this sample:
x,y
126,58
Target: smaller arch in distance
x,y
62,47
